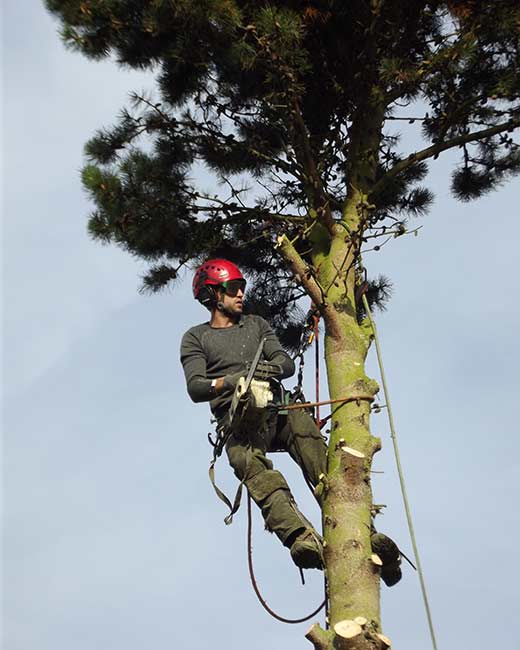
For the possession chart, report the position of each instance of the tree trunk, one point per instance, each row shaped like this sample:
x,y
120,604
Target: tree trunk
x,y
352,571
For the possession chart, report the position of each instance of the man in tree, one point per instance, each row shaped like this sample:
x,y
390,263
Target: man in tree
x,y
215,355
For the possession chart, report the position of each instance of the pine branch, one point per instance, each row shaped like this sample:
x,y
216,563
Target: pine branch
x,y
241,212
304,275
309,164
436,149
301,270
416,76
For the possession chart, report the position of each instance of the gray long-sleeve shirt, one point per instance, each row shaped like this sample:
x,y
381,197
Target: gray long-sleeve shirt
x,y
209,353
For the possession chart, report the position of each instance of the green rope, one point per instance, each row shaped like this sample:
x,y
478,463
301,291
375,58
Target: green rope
x,y
400,472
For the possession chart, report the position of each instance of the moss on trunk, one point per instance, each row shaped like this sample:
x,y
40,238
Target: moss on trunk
x,y
352,576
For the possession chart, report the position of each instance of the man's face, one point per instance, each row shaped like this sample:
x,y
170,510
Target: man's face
x,y
232,296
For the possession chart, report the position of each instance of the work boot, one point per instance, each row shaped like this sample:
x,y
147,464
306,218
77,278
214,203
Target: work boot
x,y
306,550
390,556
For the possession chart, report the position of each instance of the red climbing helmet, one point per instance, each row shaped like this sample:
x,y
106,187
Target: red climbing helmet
x,y
213,273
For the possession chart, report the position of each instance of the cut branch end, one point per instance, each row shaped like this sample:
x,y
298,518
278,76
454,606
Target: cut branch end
x,y
353,452
318,637
385,641
347,629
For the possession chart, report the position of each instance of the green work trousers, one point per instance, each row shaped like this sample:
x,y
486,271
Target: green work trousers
x,y
295,433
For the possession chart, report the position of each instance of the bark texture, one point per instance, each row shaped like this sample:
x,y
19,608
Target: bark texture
x,y
352,570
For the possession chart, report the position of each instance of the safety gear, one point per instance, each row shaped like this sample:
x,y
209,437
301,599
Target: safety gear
x,y
211,274
232,287
240,400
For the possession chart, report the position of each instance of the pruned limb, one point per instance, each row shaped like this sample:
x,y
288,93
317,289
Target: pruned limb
x,y
385,641
347,629
349,636
355,635
352,462
319,638
352,452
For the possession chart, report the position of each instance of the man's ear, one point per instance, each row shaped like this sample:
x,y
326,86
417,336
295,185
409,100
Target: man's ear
x,y
219,294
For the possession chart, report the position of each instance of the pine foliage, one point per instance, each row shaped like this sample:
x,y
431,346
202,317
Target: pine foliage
x,y
290,105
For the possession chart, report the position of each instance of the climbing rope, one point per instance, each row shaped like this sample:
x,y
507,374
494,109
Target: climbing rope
x,y
253,579
343,400
316,332
400,472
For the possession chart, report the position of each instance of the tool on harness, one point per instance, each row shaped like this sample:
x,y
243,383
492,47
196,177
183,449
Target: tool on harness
x,y
307,337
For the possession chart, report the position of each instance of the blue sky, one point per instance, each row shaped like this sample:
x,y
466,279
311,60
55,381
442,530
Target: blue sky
x,y
112,535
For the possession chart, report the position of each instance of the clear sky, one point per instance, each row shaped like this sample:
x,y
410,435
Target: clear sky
x,y
113,537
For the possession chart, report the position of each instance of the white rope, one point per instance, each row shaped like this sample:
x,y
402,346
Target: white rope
x,y
401,475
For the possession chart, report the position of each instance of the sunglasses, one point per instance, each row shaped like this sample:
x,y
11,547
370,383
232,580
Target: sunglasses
x,y
232,287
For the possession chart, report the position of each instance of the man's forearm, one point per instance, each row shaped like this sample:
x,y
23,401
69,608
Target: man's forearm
x,y
285,362
204,390
201,390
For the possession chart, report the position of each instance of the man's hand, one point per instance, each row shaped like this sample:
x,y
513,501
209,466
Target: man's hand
x,y
229,382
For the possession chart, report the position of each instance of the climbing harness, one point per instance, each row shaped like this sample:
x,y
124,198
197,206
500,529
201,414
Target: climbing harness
x,y
233,507
249,405
305,340
400,472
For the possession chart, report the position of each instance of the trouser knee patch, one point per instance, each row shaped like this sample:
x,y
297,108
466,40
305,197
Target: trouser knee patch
x,y
265,483
243,461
